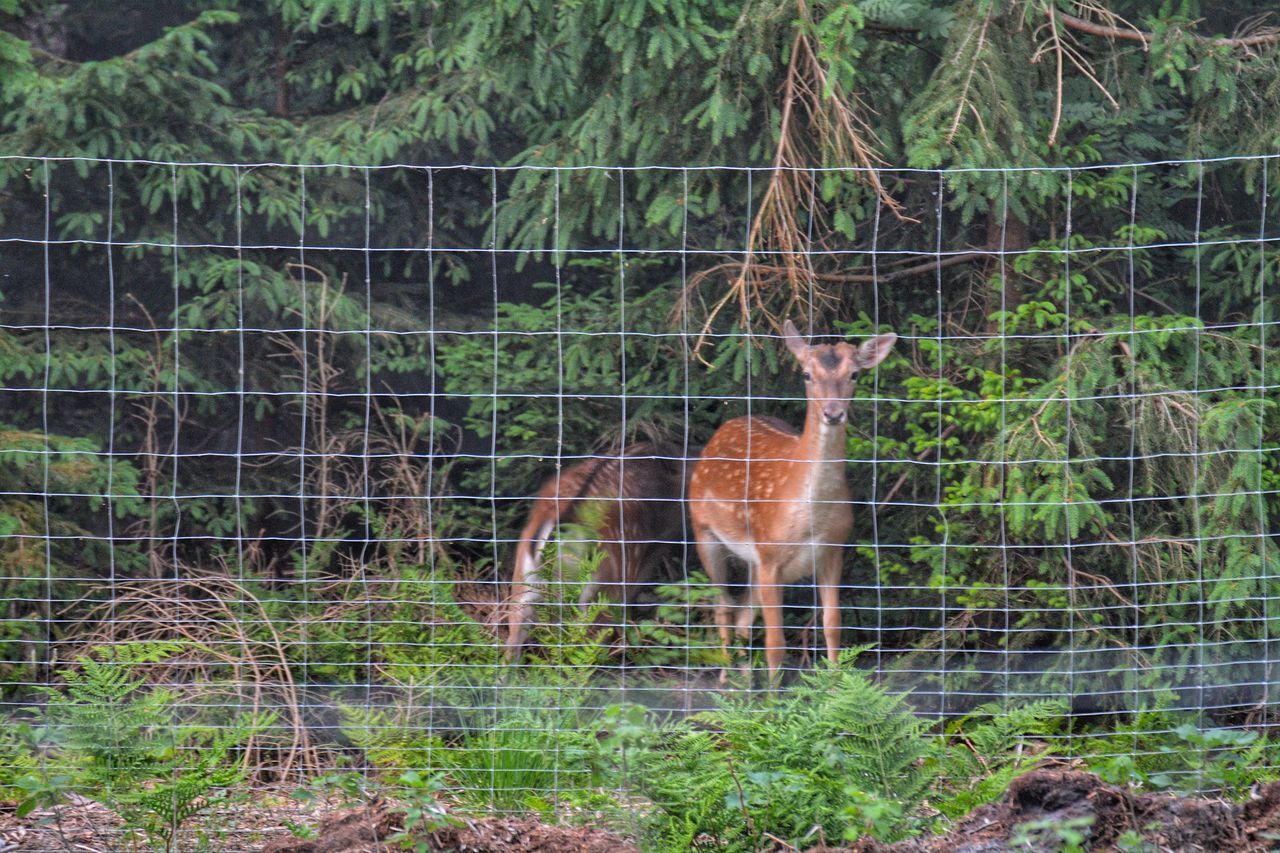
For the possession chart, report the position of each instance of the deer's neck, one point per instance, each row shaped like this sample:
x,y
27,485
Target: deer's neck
x,y
822,446
820,441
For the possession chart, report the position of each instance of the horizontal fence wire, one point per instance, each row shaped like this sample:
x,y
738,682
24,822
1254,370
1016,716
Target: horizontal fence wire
x,y
274,437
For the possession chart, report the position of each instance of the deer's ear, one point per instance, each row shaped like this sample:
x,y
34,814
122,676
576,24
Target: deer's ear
x,y
873,351
798,345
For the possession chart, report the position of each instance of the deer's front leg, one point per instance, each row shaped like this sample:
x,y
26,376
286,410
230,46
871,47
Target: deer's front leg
x,y
829,594
769,591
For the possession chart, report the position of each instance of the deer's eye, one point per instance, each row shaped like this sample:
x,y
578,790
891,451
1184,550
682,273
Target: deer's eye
x,y
808,377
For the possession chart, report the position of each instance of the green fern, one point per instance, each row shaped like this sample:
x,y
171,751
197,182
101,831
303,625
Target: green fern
x,y
103,716
989,747
19,756
570,647
428,638
161,805
789,766
116,739
388,740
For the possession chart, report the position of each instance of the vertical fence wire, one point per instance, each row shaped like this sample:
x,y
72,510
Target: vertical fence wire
x,y
1132,365
1069,385
1263,561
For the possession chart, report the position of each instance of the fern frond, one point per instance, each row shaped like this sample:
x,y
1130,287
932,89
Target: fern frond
x,y
785,764
989,747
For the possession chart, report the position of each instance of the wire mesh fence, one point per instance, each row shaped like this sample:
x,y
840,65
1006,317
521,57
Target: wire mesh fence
x,y
274,435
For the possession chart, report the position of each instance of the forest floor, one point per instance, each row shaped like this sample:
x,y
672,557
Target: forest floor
x,y
1044,810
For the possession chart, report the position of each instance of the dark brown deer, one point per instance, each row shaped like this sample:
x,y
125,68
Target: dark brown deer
x,y
637,516
778,499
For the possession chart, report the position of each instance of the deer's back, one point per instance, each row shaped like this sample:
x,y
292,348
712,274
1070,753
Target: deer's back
x,y
642,491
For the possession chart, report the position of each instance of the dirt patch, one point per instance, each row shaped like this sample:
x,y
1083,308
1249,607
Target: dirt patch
x,y
366,829
527,836
84,826
352,831
79,825
1039,805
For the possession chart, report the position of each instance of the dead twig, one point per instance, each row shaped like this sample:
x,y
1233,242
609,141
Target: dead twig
x,y
198,609
1266,35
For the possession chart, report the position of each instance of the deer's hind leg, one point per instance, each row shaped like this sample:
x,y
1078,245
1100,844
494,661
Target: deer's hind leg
x,y
521,613
715,559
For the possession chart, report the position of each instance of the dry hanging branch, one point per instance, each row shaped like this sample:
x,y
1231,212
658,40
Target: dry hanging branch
x,y
1063,49
781,226
1261,37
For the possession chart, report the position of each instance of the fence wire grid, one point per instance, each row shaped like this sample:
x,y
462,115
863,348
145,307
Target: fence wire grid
x,y
271,434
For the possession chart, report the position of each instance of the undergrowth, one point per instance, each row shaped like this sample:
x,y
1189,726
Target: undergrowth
x,y
816,759
107,735
834,757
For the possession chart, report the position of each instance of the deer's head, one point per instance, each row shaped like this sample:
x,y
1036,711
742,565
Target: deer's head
x,y
830,369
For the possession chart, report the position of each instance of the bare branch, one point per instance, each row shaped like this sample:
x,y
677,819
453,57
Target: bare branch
x,y
1057,100
1081,25
1268,36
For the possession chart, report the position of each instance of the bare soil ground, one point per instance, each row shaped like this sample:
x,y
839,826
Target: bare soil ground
x,y
365,830
271,825
1104,813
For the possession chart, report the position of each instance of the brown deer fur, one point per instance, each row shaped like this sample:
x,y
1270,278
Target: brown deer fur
x,y
637,511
